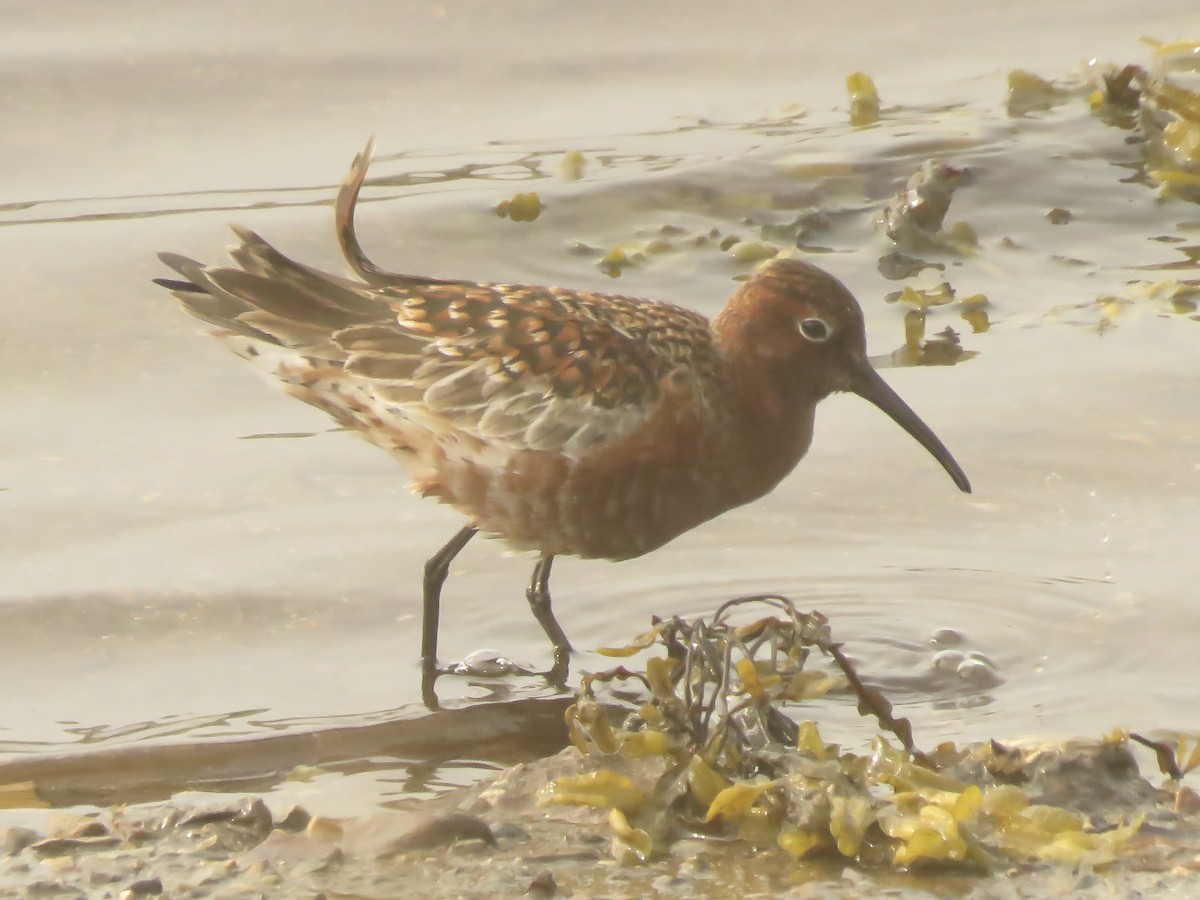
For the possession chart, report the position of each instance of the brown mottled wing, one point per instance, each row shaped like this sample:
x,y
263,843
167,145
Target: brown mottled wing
x,y
532,367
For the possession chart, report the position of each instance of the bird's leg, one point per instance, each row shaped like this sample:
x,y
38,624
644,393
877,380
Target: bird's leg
x,y
436,570
539,601
429,677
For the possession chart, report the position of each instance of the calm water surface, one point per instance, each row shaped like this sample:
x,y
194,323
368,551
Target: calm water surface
x,y
190,558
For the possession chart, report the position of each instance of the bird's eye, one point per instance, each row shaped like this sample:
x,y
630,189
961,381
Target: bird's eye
x,y
816,330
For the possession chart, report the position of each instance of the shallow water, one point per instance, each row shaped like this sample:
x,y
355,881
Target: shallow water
x,y
169,581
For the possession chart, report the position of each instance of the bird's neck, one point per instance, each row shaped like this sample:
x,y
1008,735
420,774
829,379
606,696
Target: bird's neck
x,y
771,410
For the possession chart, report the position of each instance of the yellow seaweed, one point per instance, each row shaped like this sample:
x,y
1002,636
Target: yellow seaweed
x,y
579,737
1170,179
1176,99
864,99
977,319
643,640
650,714
694,710
1003,801
520,207
1057,835
612,263
602,789
929,843
917,798
759,825
961,236
1182,138
809,739
1095,849
705,782
1187,50
1187,761
810,686
849,819
1028,92
635,840
658,674
1052,819
967,804
646,743
754,683
733,802
594,721
798,842
923,298
571,165
894,766
931,833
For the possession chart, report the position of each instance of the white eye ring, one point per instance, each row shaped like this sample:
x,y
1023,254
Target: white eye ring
x,y
816,330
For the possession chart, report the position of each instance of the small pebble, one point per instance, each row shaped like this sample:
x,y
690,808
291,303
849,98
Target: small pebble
x,y
753,251
17,839
323,829
45,888
509,831
90,829
442,830
1187,801
147,887
297,819
543,885
254,817
59,863
62,846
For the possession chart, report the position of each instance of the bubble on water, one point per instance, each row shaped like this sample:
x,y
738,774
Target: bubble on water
x,y
978,673
948,661
947,637
487,664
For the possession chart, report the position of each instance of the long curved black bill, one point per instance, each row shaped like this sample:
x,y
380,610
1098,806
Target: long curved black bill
x,y
868,385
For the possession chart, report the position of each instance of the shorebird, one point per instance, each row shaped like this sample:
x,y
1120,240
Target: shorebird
x,y
561,421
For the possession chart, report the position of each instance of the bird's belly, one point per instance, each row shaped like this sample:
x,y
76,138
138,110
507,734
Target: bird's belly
x,y
553,504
